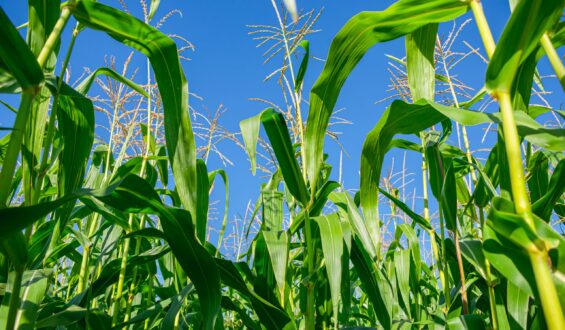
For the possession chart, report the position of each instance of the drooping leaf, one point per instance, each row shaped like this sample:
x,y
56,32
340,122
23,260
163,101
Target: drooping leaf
x,y
403,118
350,45
162,53
133,195
16,57
406,209
303,65
277,131
84,86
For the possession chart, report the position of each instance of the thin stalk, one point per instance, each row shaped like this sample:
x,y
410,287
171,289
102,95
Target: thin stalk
x,y
464,300
538,255
296,96
53,37
463,129
142,222
121,279
83,269
553,59
14,299
482,25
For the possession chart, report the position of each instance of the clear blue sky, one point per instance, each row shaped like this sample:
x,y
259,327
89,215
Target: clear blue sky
x,y
226,68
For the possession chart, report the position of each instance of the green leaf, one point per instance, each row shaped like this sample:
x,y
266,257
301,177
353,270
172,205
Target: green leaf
x,y
162,53
538,177
265,284
545,204
203,188
517,304
34,287
43,15
404,118
464,322
16,57
67,316
153,9
449,199
517,42
132,195
331,236
472,251
506,240
75,116
272,202
403,271
351,43
406,209
346,202
162,165
277,245
277,131
374,284
317,206
224,176
270,316
177,303
303,65
420,47
84,86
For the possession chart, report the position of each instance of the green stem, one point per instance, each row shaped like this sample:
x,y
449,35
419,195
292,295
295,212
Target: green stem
x,y
83,269
121,279
14,299
538,255
548,295
54,36
464,300
483,26
553,59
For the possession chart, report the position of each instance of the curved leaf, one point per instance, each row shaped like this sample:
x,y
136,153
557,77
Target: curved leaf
x,y
162,53
517,42
351,43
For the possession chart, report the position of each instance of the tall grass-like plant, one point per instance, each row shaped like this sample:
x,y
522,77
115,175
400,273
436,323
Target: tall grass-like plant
x,y
96,235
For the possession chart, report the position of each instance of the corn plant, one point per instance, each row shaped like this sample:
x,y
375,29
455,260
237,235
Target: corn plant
x,y
89,240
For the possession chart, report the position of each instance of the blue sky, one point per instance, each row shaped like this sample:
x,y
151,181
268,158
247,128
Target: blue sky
x,y
226,68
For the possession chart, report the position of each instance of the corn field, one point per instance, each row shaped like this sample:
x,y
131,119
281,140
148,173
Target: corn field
x,y
113,231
